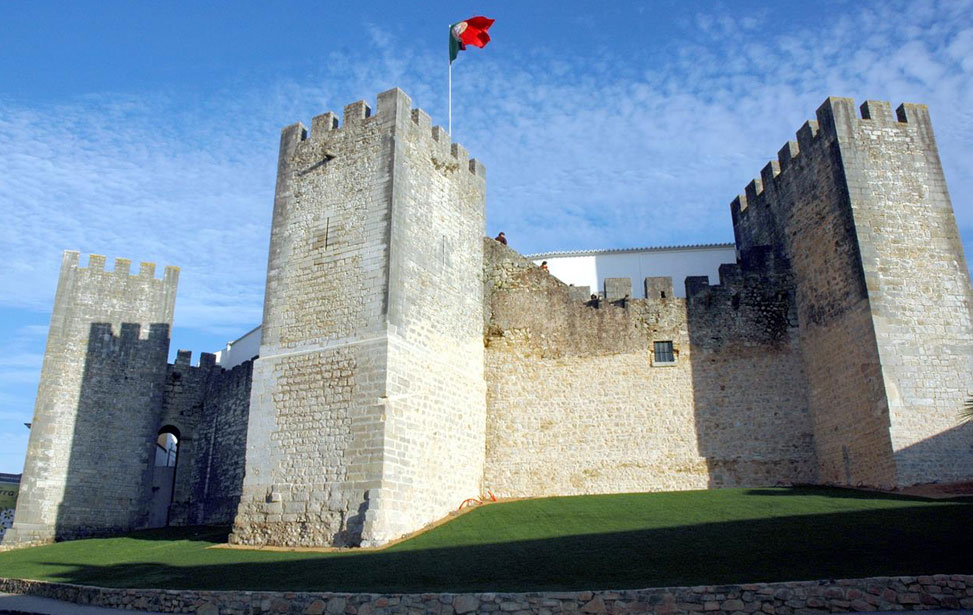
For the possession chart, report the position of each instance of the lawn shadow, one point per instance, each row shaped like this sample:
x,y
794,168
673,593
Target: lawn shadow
x,y
214,534
839,492
926,539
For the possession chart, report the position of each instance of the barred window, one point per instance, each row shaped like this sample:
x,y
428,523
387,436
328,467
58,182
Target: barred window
x,y
663,353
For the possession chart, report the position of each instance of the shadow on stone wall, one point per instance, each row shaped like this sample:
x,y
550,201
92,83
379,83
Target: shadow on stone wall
x,y
947,455
749,389
220,447
110,455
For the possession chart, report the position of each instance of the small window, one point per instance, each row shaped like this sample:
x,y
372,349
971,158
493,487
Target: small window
x,y
663,353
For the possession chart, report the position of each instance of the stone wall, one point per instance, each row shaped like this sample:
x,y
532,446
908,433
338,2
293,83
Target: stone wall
x,y
800,208
88,466
315,413
219,449
435,405
182,408
917,281
578,403
940,591
367,399
859,210
749,387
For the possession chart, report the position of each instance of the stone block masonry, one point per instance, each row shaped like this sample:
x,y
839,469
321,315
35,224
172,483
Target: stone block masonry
x,y
98,403
858,208
367,407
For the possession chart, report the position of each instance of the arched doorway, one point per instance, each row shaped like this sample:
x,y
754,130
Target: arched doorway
x,y
163,475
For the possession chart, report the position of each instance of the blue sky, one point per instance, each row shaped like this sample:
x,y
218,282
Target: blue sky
x,y
149,130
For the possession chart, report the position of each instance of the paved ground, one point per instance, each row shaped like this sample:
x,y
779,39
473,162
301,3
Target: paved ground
x,y
30,605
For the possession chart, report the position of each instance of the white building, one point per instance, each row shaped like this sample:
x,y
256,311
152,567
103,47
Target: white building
x,y
591,267
239,350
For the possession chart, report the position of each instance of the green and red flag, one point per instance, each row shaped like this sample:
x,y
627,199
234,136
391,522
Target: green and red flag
x,y
472,31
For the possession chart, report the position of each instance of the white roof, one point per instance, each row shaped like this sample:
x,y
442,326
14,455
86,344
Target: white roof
x,y
698,246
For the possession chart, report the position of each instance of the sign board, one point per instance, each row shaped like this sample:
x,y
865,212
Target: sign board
x,y
8,501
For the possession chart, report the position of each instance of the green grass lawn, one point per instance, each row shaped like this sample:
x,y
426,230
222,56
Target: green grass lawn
x,y
593,542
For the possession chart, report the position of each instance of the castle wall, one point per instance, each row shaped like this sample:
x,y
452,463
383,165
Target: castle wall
x,y
859,209
182,408
208,406
577,402
407,364
435,406
315,412
753,421
219,448
354,407
88,466
800,208
917,282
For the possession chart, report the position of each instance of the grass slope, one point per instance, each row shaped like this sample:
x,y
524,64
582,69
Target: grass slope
x,y
593,542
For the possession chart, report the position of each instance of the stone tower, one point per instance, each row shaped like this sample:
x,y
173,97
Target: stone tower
x,y
89,459
858,207
367,410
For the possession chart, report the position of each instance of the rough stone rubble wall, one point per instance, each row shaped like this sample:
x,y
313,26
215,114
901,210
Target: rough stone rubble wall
x,y
88,466
367,376
940,591
220,445
576,405
208,406
753,423
859,209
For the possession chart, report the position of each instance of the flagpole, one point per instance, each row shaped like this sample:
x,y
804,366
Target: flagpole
x,y
450,98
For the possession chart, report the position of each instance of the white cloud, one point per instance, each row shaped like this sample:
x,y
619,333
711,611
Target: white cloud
x,y
581,152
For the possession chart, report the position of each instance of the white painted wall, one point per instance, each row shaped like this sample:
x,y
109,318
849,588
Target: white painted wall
x,y
239,350
590,268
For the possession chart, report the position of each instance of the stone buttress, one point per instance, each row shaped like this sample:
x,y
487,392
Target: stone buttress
x,y
368,403
89,459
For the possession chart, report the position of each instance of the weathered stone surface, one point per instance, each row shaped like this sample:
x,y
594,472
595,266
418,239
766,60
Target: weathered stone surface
x,y
465,603
369,386
816,599
98,404
859,210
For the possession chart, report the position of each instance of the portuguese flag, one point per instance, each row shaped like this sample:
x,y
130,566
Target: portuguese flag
x,y
472,31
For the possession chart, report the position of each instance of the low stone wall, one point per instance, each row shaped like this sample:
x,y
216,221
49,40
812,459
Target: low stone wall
x,y
939,591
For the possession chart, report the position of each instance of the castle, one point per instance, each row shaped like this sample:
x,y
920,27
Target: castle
x,y
408,363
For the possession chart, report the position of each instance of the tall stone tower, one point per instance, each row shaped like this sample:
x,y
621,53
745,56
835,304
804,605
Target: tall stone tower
x,y
367,410
859,208
89,458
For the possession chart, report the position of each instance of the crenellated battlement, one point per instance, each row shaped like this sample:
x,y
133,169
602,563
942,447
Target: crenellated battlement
x,y
393,106
184,358
122,266
836,119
